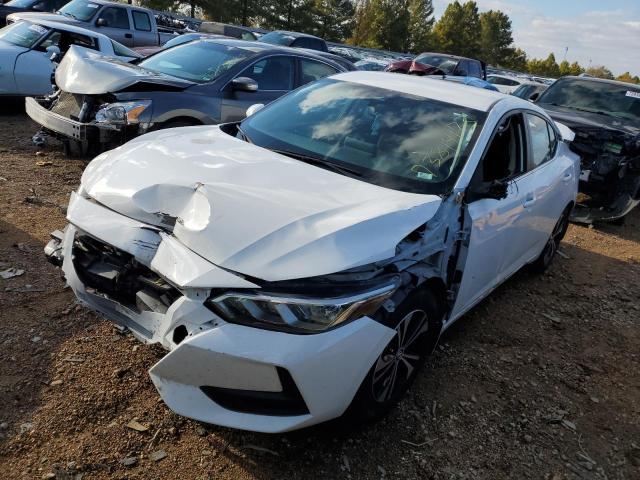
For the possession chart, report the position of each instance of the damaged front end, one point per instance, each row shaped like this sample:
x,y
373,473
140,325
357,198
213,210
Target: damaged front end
x,y
100,102
610,173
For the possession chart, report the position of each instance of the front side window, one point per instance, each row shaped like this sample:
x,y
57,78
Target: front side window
x,y
80,10
141,21
63,40
22,34
198,61
475,70
542,143
116,17
273,73
312,71
505,157
384,137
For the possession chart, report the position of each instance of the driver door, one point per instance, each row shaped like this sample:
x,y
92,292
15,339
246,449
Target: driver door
x,y
275,77
497,240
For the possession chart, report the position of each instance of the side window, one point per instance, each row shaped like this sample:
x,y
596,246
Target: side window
x,y
505,157
43,6
542,144
63,40
475,70
462,69
116,17
141,21
248,36
312,71
311,43
273,73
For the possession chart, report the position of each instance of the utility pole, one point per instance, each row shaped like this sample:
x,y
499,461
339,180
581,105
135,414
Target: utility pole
x,y
566,49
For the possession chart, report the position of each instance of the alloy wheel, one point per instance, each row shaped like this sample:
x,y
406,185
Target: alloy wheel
x,y
401,357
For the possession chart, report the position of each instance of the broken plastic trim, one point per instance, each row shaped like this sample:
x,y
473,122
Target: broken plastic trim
x,y
288,402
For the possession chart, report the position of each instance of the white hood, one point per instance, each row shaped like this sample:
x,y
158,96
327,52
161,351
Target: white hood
x,y
251,210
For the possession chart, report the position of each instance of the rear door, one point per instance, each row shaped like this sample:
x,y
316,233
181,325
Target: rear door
x,y
143,34
275,76
118,25
545,183
312,70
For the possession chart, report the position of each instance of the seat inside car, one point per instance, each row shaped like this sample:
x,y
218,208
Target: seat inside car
x,y
502,159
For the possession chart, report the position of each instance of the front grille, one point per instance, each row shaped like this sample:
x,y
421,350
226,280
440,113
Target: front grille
x,y
68,105
115,274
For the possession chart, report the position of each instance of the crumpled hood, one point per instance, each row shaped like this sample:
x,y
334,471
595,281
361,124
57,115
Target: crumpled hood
x,y
251,210
588,121
82,71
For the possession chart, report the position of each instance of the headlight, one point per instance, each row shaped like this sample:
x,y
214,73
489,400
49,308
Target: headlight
x,y
298,313
122,112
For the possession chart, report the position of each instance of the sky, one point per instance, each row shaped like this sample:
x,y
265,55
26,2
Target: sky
x,y
604,32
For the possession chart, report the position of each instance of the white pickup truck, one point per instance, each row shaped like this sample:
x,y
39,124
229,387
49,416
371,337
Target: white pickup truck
x,y
130,25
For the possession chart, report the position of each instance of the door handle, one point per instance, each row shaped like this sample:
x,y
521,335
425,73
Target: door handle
x,y
529,201
128,35
567,177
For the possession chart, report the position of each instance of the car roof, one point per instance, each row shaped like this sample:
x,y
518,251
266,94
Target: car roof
x,y
447,55
64,27
509,77
602,80
296,34
432,88
260,47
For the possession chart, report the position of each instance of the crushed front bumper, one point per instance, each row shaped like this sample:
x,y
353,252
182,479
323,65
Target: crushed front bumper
x,y
72,129
221,373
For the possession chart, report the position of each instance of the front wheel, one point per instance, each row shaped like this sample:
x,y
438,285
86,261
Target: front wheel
x,y
417,323
541,264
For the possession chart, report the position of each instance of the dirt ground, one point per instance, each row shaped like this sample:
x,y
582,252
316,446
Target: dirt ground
x,y
540,381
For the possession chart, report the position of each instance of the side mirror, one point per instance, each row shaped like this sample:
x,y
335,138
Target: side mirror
x,y
244,84
256,107
534,96
102,22
497,189
54,53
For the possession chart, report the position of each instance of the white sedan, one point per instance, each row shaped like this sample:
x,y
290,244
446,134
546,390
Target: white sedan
x,y
300,265
30,51
506,83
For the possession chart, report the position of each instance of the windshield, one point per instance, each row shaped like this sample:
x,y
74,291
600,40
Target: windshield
x,y
446,64
22,34
525,91
277,38
20,3
200,61
80,10
122,51
387,138
622,101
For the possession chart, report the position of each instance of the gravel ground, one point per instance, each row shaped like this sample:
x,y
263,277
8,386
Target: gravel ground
x,y
540,381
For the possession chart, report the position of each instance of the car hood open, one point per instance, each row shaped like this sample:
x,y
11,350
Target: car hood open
x,y
82,71
251,210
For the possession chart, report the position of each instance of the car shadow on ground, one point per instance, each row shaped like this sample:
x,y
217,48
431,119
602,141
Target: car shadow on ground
x,y
630,230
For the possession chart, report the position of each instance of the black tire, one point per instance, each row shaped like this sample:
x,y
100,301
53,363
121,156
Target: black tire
x,y
395,370
543,262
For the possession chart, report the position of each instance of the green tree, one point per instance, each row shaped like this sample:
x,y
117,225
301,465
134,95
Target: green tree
x,y
544,68
565,68
333,19
457,30
420,27
495,37
575,69
362,30
516,59
626,77
600,72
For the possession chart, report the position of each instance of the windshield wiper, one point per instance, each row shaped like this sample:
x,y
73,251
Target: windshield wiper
x,y
599,112
320,162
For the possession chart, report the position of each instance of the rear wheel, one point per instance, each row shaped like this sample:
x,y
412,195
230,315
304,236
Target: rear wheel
x,y
550,249
417,323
